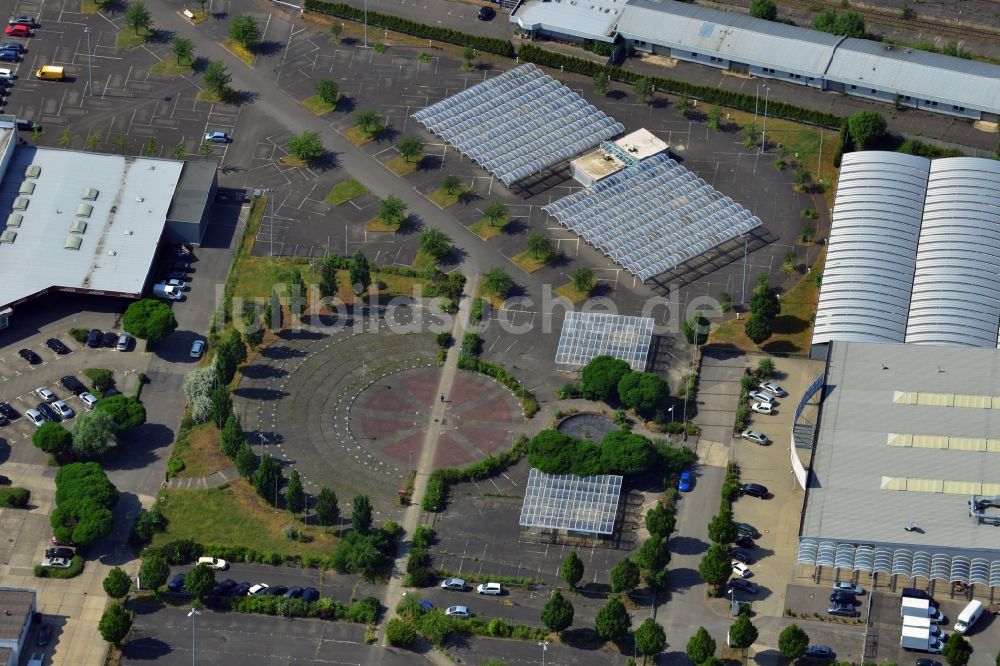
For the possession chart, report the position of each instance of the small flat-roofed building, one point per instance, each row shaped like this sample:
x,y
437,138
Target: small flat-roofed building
x,y
187,217
613,156
569,19
17,608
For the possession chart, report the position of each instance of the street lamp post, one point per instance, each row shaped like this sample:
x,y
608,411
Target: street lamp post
x,y
194,611
671,410
545,647
763,134
366,23
90,64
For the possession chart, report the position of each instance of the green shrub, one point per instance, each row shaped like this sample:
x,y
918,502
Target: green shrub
x,y
423,536
436,494
14,497
445,340
74,570
100,378
476,314
79,334
364,611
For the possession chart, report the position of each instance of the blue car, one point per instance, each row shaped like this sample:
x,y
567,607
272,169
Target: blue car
x,y
176,583
9,55
310,594
684,485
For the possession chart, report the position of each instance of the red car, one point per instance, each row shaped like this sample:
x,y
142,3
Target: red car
x,y
18,30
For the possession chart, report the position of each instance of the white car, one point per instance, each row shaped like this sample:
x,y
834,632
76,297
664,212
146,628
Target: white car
x,y
755,436
257,589
762,407
740,569
774,389
56,562
490,588
458,611
180,285
214,563
35,417
88,400
6,75
45,394
63,410
760,396
217,137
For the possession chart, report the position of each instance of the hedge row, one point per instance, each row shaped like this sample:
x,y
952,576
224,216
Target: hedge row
x,y
396,24
74,569
437,485
364,611
734,100
528,401
186,551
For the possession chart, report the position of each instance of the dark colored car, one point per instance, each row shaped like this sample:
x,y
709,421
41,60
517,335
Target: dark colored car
x,y
4,420
48,412
294,592
747,530
741,555
486,13
241,589
4,480
277,590
753,490
59,551
819,652
744,585
27,125
928,662
178,275
109,339
843,598
29,356
224,587
17,47
44,635
56,345
9,411
110,392
73,384
182,266
176,583
744,541
94,338
310,594
9,55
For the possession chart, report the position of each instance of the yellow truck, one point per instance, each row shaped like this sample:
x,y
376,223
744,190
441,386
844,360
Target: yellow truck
x,y
50,73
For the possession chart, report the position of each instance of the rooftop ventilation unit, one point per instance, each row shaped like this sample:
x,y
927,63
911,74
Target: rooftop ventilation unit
x,y
8,236
90,194
27,187
14,220
112,253
20,203
73,242
33,171
128,232
84,210
78,227
139,199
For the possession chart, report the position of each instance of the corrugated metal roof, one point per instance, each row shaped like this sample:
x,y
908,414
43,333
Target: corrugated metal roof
x,y
846,499
729,35
956,290
873,248
919,74
587,19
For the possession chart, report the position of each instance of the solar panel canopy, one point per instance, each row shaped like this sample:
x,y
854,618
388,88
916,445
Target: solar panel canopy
x,y
518,123
652,217
587,335
574,503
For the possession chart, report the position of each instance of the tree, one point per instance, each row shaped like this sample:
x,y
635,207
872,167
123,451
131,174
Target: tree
x,y
765,367
650,638
327,511
246,461
138,17
361,514
660,521
435,243
612,621
327,91
335,30
450,183
715,119
654,554
757,328
307,146
714,567
360,273
232,436
557,614
696,329
495,211
245,32
767,10
125,411
267,479
601,377
115,623
84,499
149,319
198,387
199,580
52,438
468,53
411,148
540,247
222,406
792,642
583,280
496,281
864,127
392,210
217,77
742,633
722,529
154,572
295,496
117,583
328,284
624,576
400,633
368,122
177,152
764,301
957,650
601,83
643,89
850,24
701,647
642,391
273,312
183,49
93,433
571,570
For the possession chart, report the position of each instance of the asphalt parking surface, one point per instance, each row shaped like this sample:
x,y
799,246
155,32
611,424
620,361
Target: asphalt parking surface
x,y
328,583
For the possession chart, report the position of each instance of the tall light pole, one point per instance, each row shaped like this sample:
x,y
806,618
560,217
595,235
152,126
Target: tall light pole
x,y
90,66
763,134
545,647
671,410
756,97
194,611
366,23
270,205
743,289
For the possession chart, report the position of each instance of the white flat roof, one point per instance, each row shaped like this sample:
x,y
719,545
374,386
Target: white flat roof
x,y
124,224
641,144
589,19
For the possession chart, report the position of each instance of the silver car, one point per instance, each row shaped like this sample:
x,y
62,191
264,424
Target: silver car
x,y
761,396
63,410
755,436
453,584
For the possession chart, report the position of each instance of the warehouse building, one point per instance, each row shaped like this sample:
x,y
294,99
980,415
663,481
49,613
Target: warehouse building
x,y
17,608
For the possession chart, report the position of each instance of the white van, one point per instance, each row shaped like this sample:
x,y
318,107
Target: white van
x,y
969,615
922,623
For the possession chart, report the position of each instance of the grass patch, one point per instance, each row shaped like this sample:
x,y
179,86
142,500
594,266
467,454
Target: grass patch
x,y
441,197
127,39
199,16
792,328
378,224
317,106
344,191
207,95
528,262
423,261
292,161
233,515
202,456
170,67
357,136
90,6
486,229
253,277
400,166
569,292
238,50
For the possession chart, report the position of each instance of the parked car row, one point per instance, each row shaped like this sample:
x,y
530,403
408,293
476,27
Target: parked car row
x,y
230,588
96,339
175,276
51,408
458,585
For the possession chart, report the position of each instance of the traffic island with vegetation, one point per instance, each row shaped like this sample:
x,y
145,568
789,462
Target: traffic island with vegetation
x,y
493,222
344,191
450,193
